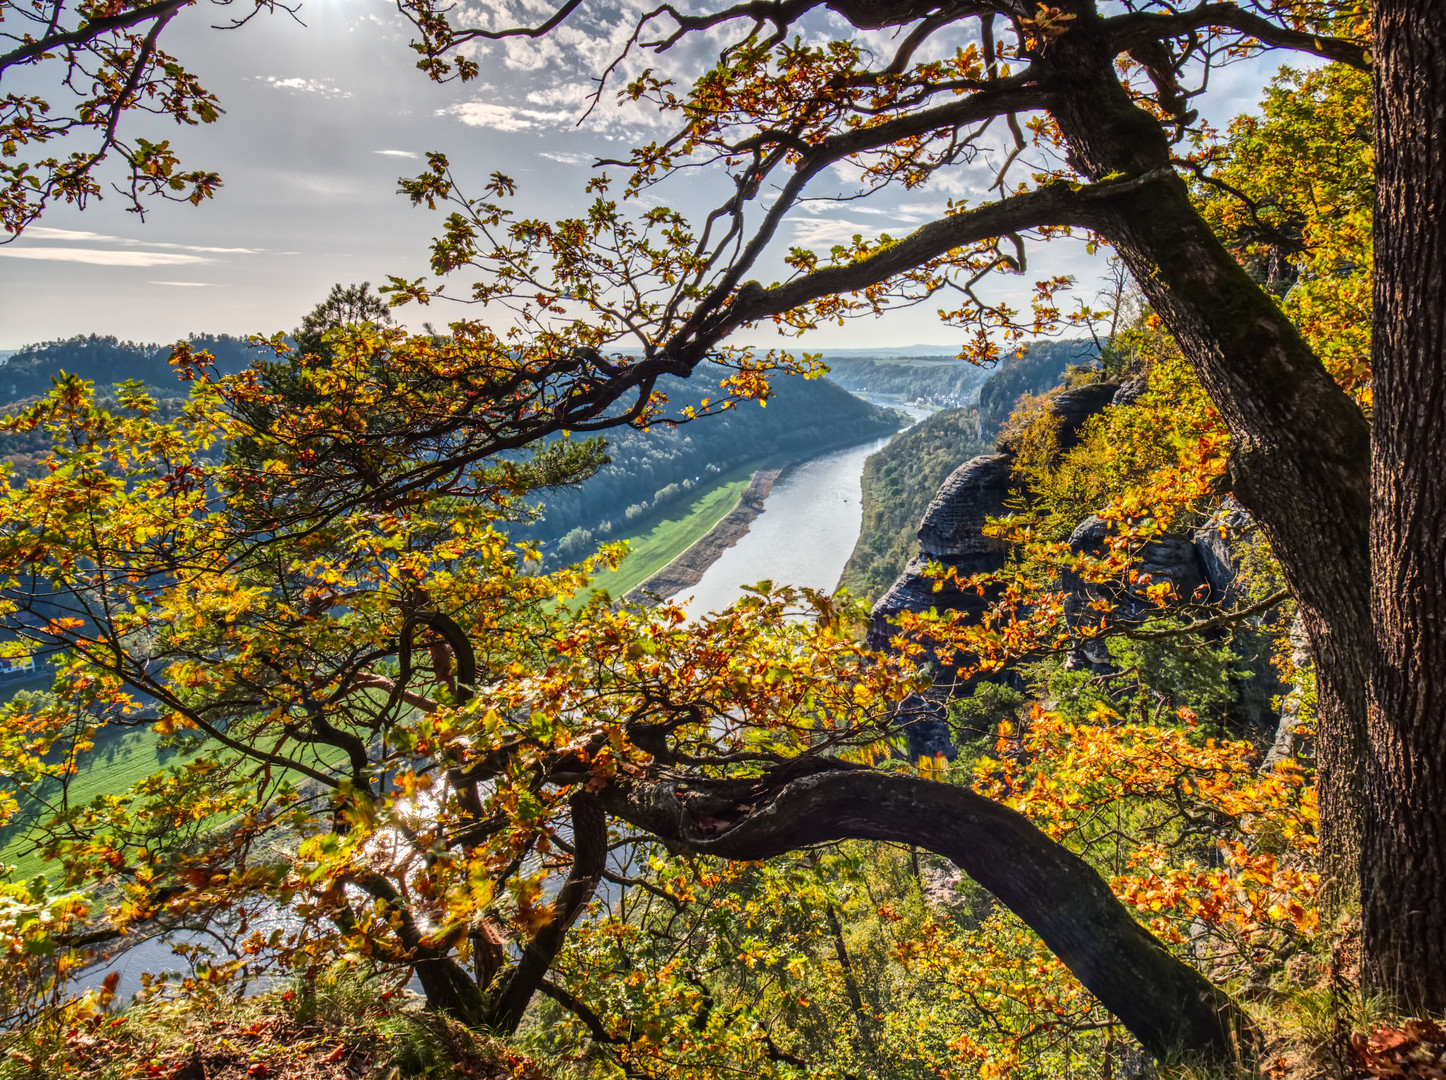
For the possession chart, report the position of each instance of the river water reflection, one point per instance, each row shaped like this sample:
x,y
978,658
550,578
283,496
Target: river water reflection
x,y
805,534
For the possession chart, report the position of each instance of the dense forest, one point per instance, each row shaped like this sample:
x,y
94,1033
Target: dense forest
x,y
1140,777
898,483
106,361
648,470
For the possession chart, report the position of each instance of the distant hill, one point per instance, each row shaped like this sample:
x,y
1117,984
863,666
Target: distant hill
x,y
949,352
945,381
105,361
931,375
1040,368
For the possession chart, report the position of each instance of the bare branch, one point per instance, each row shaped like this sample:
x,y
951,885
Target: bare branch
x,y
1138,27
91,30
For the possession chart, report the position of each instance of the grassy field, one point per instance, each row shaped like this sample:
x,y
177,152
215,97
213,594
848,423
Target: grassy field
x,y
121,758
658,541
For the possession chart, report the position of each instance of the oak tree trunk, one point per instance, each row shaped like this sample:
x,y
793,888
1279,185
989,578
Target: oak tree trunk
x,y
1300,457
1404,858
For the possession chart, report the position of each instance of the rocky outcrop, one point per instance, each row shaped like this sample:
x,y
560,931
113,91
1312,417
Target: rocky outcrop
x,y
1203,564
973,493
1074,406
1131,390
1171,559
951,532
1217,543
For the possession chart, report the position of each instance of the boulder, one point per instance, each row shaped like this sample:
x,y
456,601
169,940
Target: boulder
x,y
1216,546
973,493
1131,390
1171,558
1076,405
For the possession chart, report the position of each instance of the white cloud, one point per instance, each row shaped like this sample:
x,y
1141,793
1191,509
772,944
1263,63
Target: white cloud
x,y
98,257
814,232
531,55
324,87
564,158
40,232
187,284
566,94
197,247
506,118
396,153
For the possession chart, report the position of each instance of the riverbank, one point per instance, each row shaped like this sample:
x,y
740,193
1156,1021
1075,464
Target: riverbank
x,y
688,568
658,540
656,543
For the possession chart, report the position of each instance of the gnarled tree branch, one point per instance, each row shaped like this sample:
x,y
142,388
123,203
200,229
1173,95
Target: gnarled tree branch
x,y
1164,1002
1138,27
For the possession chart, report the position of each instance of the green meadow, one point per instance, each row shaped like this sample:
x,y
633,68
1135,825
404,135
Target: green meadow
x,y
657,541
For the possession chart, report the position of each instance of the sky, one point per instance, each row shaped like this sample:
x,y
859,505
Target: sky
x,y
321,121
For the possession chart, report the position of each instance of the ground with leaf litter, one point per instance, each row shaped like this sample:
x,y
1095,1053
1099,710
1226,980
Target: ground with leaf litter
x,y
279,1048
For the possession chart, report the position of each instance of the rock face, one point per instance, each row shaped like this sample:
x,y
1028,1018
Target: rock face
x,y
1216,546
1131,390
972,493
1076,405
1204,563
1172,558
950,534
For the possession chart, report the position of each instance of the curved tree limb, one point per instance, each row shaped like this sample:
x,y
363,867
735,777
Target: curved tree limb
x,y
1164,1002
1059,203
1138,27
541,30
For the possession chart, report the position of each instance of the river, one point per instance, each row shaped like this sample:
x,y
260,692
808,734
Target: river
x,y
805,533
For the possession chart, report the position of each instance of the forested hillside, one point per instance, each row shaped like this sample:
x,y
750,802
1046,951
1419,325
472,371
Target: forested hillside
x,y
898,483
1037,370
899,480
652,468
107,360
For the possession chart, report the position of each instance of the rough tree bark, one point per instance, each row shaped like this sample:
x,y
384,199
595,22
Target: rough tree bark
x,y
1404,864
1165,1003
